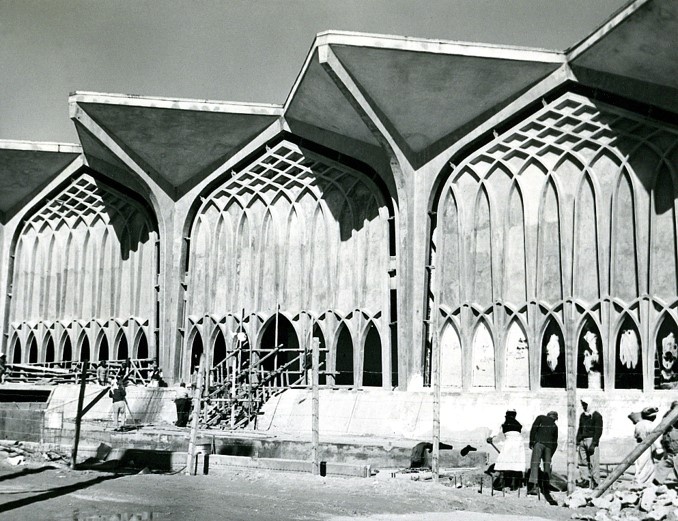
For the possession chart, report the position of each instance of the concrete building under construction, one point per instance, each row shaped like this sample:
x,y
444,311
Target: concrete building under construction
x,y
515,206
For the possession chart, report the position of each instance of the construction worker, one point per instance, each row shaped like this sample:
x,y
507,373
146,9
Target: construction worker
x,y
118,394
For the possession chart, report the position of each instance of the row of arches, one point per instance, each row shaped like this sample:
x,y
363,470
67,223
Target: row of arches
x,y
341,359
51,350
624,362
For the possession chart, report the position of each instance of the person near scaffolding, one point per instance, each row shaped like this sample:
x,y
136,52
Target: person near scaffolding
x,y
182,401
117,393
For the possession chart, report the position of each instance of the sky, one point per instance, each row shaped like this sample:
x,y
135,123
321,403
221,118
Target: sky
x,y
233,50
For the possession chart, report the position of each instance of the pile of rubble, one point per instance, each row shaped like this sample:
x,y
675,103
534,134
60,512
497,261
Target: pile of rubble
x,y
628,503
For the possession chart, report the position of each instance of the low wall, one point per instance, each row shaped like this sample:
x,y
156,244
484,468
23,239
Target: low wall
x,y
467,417
147,405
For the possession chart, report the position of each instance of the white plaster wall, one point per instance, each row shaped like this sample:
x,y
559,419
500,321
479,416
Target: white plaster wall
x,y
465,417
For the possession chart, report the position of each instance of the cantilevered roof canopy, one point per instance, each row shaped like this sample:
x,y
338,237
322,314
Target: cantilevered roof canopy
x,y
634,54
173,140
27,166
424,91
353,89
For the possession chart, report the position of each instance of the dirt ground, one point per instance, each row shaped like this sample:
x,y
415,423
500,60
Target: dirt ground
x,y
52,492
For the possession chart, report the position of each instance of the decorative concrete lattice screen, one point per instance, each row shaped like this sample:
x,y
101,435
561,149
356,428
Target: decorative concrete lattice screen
x,y
84,278
298,233
561,234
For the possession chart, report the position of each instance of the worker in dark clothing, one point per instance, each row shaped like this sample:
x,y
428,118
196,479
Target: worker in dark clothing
x,y
543,442
588,437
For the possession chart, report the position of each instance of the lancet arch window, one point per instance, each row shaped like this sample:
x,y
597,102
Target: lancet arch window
x,y
85,258
580,202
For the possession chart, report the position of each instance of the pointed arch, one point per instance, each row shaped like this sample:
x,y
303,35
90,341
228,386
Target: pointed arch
x,y
196,350
318,333
549,261
103,348
666,353
450,356
50,354
142,345
663,253
516,352
590,359
84,348
16,351
449,250
515,281
67,349
32,349
624,247
122,347
372,359
279,350
218,349
344,356
553,369
585,268
482,248
628,355
483,356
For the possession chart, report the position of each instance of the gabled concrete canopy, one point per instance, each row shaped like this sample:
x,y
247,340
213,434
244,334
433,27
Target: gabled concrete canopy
x,y
427,95
634,54
28,166
173,140
424,91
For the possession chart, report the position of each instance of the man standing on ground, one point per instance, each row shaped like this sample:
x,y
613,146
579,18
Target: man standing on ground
x,y
588,437
102,373
118,393
543,442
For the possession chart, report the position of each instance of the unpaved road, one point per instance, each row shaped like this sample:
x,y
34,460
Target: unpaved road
x,y
59,494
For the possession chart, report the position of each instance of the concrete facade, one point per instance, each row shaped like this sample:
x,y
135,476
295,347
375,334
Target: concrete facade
x,y
517,203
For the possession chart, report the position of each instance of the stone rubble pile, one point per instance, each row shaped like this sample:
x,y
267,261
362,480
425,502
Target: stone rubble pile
x,y
628,503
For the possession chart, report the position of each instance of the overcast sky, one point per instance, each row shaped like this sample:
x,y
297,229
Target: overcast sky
x,y
235,50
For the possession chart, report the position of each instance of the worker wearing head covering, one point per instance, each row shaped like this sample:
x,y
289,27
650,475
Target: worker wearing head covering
x,y
511,460
588,438
645,464
543,442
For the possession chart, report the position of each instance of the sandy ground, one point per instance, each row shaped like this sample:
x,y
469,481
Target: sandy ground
x,y
41,493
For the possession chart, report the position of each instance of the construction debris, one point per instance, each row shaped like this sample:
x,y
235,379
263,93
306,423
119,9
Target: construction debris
x,y
628,503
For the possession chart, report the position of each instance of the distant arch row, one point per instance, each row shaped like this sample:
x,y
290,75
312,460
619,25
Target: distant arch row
x,y
59,343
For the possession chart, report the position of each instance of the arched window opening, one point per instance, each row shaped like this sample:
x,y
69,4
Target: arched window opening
x,y
16,352
483,357
49,350
666,357
123,351
84,349
553,356
372,376
67,353
517,367
344,359
279,355
450,357
103,348
318,333
219,353
142,347
589,357
628,359
33,351
196,351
